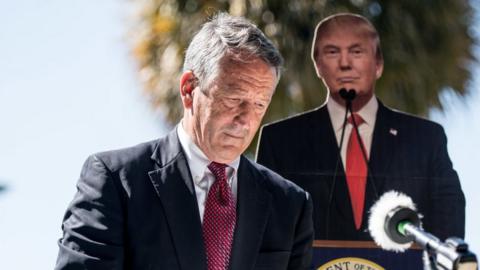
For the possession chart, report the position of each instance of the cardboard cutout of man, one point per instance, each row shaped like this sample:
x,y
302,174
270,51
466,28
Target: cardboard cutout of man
x,y
404,152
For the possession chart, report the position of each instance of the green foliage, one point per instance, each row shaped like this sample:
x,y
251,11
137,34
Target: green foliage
x,y
427,48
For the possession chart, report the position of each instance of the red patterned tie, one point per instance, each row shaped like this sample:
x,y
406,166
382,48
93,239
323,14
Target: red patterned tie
x,y
219,220
356,172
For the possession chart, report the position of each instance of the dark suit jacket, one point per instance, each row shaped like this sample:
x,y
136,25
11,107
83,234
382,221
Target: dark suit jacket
x,y
408,154
136,208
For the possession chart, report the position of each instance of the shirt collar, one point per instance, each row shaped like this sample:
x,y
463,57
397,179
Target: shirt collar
x,y
197,160
337,112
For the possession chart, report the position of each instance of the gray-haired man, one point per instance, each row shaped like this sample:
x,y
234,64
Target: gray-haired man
x,y
190,200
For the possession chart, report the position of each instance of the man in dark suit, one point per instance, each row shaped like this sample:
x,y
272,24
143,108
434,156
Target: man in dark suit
x,y
190,200
404,152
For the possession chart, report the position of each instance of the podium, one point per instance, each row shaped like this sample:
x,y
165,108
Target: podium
x,y
362,255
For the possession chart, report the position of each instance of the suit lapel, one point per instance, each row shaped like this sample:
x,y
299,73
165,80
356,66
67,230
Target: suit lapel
x,y
173,183
383,145
382,150
253,204
327,148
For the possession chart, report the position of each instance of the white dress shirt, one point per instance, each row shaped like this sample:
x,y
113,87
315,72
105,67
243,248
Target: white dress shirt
x,y
369,115
202,176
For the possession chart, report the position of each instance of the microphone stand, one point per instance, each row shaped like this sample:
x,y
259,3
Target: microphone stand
x,y
348,96
343,93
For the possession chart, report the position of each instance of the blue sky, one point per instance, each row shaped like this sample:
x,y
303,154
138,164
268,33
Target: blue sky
x,y
69,88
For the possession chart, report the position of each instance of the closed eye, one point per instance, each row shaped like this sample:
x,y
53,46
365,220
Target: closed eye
x,y
260,105
232,102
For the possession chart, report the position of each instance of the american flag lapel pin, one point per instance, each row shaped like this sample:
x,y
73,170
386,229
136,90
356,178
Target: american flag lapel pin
x,y
393,131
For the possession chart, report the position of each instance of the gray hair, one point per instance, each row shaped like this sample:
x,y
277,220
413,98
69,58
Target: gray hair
x,y
225,35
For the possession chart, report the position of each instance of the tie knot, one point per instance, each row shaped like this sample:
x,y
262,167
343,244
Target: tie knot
x,y
358,119
218,170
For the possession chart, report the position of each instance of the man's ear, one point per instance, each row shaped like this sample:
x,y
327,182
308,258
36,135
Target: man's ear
x,y
315,61
316,65
318,70
188,82
379,69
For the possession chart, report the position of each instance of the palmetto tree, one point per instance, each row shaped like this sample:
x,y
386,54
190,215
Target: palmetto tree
x,y
427,48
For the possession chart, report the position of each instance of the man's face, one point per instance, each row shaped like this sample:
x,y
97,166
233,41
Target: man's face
x,y
226,117
347,59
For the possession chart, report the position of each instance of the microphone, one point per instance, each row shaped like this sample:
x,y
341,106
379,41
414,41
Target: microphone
x,y
347,95
394,224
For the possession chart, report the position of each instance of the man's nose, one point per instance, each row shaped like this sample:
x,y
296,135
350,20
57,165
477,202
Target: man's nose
x,y
345,61
246,111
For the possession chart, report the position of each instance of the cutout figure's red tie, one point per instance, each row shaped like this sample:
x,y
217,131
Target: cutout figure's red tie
x,y
356,172
219,220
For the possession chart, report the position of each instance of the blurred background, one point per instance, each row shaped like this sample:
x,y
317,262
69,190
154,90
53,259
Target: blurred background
x,y
78,77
